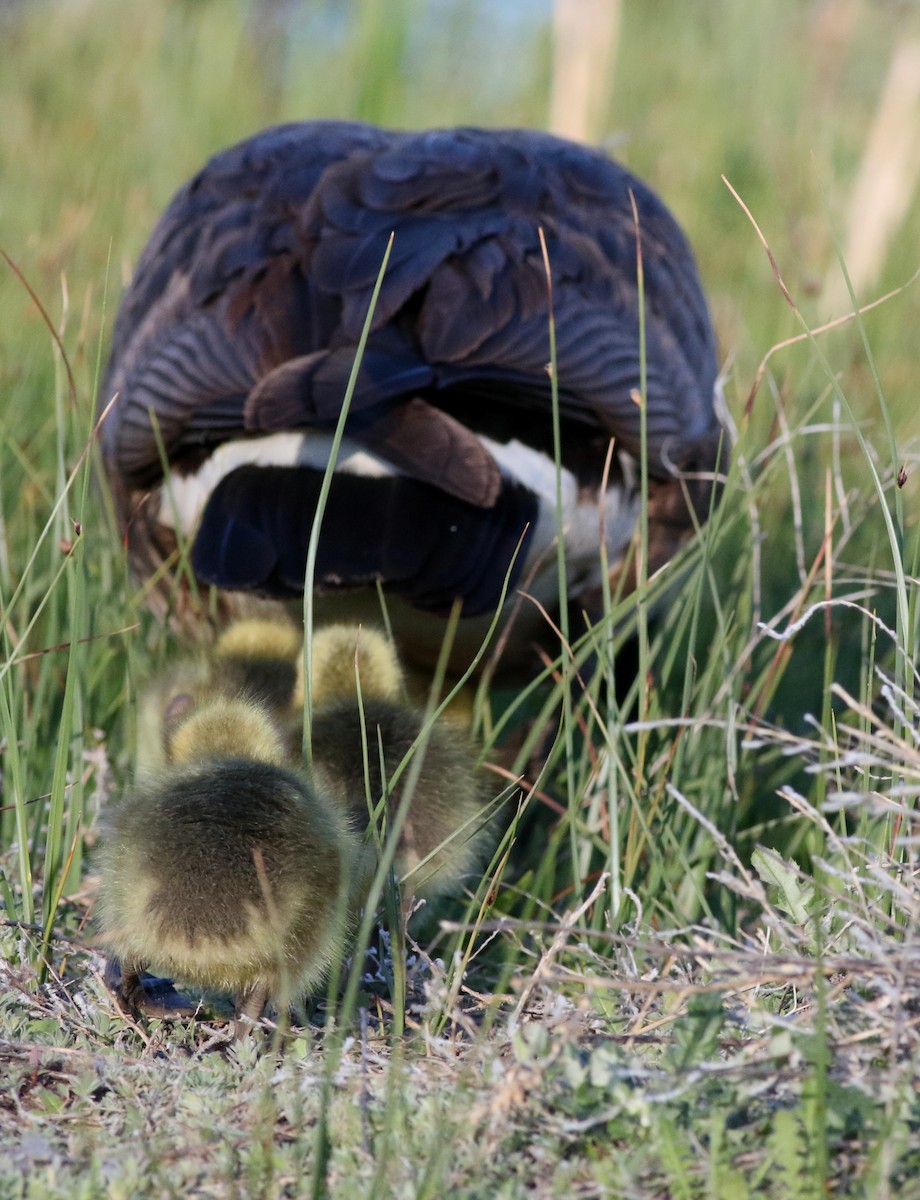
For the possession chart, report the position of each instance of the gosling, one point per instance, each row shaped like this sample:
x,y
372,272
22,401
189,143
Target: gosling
x,y
444,832
337,651
255,659
227,869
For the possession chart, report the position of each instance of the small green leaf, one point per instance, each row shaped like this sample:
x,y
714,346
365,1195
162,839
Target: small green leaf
x,y
795,899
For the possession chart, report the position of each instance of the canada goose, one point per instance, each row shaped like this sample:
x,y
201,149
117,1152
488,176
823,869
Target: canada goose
x,y
226,869
444,830
259,657
235,339
254,659
336,651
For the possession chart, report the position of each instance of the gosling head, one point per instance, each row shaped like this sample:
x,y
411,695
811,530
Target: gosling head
x,y
221,728
259,657
339,651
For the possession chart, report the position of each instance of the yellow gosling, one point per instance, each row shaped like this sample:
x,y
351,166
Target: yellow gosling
x,y
189,676
259,657
335,648
445,834
254,660
227,873
259,637
221,728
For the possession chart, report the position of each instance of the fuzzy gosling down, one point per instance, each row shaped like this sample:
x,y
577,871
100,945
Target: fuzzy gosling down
x,y
444,830
226,871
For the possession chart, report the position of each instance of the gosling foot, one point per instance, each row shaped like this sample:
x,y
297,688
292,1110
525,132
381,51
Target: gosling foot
x,y
139,994
249,1008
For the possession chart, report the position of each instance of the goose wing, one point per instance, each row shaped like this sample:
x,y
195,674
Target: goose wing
x,y
248,302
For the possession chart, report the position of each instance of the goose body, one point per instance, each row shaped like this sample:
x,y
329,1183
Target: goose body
x,y
235,340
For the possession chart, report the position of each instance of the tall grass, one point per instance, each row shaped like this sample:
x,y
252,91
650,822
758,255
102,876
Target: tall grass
x,y
749,792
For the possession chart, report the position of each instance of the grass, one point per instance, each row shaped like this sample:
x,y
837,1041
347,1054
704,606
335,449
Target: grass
x,y
692,970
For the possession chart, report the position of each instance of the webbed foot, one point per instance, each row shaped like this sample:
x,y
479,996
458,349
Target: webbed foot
x,y
139,994
250,1004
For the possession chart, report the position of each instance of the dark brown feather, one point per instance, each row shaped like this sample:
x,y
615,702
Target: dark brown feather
x,y
247,304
